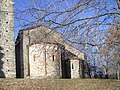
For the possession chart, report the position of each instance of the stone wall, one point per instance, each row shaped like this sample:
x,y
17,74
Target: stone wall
x,y
45,60
31,36
7,48
43,53
74,64
75,68
19,57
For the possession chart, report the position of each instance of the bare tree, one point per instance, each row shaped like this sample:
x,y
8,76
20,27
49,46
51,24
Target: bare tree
x,y
82,23
113,43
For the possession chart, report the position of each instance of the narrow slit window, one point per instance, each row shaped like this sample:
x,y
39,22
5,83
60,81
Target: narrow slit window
x,y
53,57
72,66
7,50
34,58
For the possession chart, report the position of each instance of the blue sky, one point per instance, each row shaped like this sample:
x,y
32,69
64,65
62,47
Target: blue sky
x,y
26,4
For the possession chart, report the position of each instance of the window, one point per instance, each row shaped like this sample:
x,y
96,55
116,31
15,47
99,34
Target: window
x,y
53,57
34,57
72,66
6,40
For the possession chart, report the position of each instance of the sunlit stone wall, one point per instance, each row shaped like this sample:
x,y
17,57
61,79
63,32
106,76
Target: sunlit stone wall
x,y
7,48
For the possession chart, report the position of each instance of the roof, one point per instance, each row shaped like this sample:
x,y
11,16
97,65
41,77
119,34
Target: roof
x,y
68,47
33,27
73,50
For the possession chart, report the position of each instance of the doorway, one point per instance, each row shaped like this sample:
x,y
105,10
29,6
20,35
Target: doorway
x,y
67,68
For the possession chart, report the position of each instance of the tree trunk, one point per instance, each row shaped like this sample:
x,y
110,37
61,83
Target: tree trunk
x,y
118,71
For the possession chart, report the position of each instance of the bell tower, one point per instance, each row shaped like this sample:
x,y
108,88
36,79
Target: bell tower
x,y
7,46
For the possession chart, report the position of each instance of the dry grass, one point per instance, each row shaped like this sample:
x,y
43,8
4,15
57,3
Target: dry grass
x,y
59,84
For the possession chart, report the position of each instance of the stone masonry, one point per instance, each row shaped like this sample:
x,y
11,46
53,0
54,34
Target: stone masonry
x,y
25,42
7,47
42,53
45,60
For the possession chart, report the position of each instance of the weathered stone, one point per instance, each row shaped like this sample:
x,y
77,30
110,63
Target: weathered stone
x,y
75,68
7,47
41,60
42,53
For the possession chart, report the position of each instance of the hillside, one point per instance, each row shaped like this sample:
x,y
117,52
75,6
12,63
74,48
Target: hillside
x,y
59,84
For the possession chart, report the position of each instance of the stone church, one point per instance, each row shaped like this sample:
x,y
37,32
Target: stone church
x,y
39,52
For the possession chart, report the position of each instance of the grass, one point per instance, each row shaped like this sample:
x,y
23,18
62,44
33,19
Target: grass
x,y
59,84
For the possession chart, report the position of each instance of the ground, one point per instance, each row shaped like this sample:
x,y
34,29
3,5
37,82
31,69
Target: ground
x,y
59,84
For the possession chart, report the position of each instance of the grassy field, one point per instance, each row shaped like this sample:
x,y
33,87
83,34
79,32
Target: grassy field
x,y
59,84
